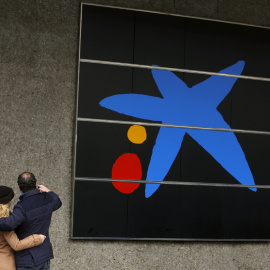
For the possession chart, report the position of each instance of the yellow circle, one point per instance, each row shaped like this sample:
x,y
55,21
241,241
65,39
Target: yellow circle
x,y
137,134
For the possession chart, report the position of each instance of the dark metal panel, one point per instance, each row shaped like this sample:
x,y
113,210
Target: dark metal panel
x,y
172,212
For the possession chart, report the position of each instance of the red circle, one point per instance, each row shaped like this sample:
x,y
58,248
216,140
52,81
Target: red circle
x,y
127,166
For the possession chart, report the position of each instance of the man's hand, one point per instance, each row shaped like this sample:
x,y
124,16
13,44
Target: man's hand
x,y
43,237
42,188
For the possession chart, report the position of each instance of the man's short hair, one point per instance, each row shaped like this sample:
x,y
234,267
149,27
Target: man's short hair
x,y
26,181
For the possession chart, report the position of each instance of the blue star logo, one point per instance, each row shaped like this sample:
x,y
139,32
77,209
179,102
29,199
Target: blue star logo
x,y
181,105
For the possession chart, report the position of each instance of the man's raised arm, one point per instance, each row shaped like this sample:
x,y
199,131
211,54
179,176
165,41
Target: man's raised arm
x,y
56,200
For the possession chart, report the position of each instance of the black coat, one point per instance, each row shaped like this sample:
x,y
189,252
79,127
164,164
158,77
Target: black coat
x,y
32,215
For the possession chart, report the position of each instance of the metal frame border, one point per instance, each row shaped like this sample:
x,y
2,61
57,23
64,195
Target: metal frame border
x,y
171,183
107,121
73,169
183,70
176,15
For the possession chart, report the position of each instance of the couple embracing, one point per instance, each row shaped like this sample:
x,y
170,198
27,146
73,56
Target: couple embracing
x,y
26,230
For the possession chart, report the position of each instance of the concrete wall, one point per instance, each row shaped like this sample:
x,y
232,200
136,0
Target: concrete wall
x,y
38,73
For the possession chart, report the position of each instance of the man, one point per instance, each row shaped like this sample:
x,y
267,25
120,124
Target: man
x,y
32,215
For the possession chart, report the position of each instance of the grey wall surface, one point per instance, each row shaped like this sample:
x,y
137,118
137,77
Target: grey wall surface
x,y
38,76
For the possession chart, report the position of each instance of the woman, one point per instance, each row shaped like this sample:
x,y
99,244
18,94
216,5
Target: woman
x,y
9,240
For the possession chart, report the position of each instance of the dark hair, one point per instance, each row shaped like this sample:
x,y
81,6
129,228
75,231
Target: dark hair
x,y
26,181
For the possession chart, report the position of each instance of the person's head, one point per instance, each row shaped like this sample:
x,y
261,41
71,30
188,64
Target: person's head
x,y
26,182
6,196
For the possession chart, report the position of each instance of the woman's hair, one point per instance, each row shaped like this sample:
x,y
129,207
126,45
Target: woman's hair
x,y
4,210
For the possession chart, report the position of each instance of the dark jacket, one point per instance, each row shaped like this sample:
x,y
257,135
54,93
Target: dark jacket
x,y
32,215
